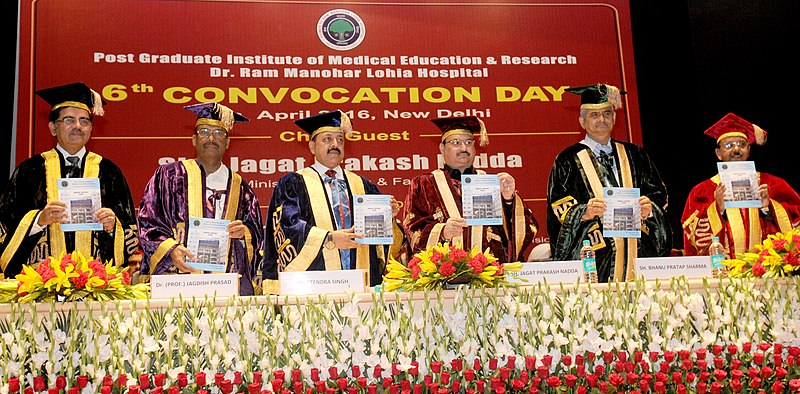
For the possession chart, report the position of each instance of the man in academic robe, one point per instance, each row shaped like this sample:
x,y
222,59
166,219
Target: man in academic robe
x,y
202,187
31,212
434,212
310,223
738,229
575,191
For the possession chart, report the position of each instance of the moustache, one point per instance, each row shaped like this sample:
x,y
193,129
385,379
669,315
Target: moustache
x,y
211,143
337,150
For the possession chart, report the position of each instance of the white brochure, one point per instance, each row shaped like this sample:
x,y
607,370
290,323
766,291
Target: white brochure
x,y
208,242
550,271
741,184
372,218
623,216
82,196
691,267
480,199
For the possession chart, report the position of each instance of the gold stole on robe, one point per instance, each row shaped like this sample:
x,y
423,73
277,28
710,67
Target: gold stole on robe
x,y
620,259
323,219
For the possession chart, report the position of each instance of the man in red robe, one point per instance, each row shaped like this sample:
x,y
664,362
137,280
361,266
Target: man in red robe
x,y
739,229
433,205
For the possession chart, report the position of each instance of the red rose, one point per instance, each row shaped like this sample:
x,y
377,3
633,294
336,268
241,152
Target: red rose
x,y
715,350
13,384
758,358
547,360
794,351
732,349
457,364
716,388
780,372
615,379
653,356
592,380
701,388
436,257
566,360
517,384
736,385
608,357
530,362
690,377
677,377
553,381
469,375
669,356
747,346
570,380
794,384
737,374
777,387
511,362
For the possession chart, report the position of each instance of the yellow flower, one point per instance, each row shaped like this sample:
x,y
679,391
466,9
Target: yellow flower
x,y
29,278
62,277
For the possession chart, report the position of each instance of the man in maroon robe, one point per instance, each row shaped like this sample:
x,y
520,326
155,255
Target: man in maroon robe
x,y
739,229
433,206
202,187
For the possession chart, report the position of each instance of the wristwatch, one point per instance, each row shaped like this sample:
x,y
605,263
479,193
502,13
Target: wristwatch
x,y
329,244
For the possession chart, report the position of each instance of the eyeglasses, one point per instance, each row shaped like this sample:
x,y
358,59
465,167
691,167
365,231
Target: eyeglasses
x,y
731,144
456,143
217,133
71,121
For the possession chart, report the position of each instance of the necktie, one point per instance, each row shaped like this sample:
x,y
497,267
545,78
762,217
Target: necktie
x,y
607,164
73,169
341,210
211,201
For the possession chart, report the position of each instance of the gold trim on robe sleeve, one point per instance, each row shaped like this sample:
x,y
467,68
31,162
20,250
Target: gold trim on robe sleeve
x,y
163,248
781,216
13,244
196,198
362,252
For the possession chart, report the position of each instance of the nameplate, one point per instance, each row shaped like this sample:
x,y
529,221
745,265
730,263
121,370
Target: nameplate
x,y
194,285
691,267
552,271
322,282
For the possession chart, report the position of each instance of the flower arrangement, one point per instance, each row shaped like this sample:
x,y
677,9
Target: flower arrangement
x,y
444,263
739,335
777,256
71,277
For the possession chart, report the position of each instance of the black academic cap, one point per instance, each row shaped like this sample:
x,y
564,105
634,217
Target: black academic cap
x,y
462,125
216,114
76,95
328,121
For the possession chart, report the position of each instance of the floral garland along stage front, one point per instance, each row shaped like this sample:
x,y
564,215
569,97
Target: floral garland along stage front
x,y
729,336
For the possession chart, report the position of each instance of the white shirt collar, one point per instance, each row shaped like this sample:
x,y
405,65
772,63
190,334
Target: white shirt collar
x,y
595,146
321,169
218,180
66,154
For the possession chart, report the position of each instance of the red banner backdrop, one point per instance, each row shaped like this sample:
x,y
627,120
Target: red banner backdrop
x,y
391,65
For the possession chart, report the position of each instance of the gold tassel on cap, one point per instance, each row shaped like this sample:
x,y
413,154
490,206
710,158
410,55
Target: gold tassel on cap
x,y
225,115
614,96
484,133
761,136
345,124
97,104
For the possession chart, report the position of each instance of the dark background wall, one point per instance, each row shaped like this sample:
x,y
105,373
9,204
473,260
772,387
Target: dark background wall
x,y
696,60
